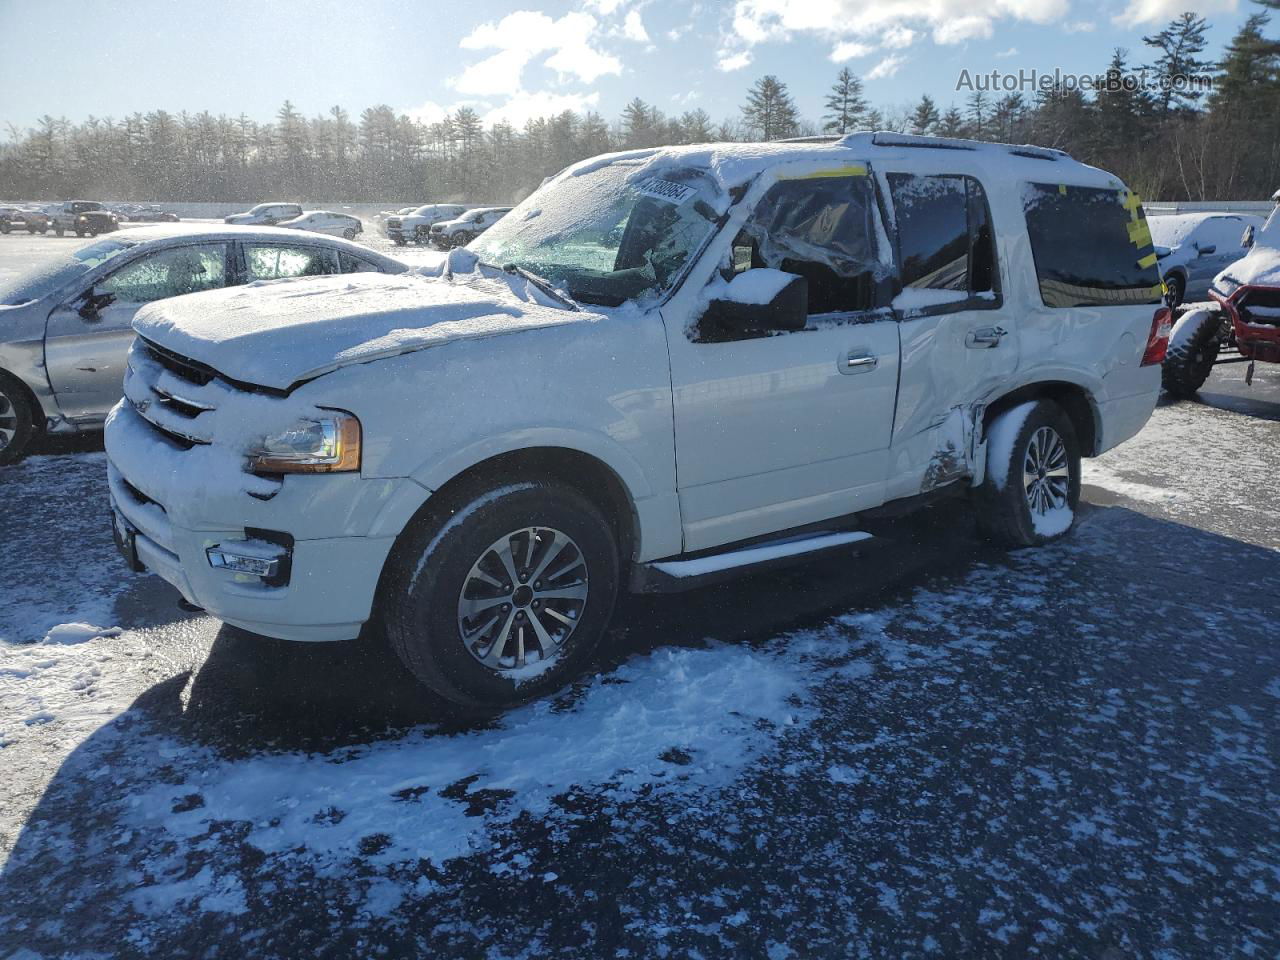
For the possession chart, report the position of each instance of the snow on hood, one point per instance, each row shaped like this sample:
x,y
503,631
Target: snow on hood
x,y
1260,266
278,333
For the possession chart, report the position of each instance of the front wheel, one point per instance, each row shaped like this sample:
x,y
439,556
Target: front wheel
x,y
349,234
1031,490
462,238
58,231
502,597
1193,350
5,227
1177,287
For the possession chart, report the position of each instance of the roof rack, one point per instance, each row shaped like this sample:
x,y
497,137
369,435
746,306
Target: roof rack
x,y
888,139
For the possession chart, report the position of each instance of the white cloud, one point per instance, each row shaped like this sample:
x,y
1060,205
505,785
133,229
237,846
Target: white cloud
x,y
527,105
1080,26
886,67
733,61
1011,52
633,27
525,35
850,50
1159,11
428,112
891,24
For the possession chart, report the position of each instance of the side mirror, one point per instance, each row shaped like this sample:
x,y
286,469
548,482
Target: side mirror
x,y
1207,250
92,303
757,302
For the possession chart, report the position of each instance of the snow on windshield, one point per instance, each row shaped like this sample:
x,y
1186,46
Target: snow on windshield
x,y
53,275
616,233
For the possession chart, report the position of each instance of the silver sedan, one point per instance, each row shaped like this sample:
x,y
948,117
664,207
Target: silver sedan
x,y
65,328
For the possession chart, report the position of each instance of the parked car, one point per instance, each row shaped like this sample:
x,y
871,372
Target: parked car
x,y
266,214
1193,248
85,217
12,218
150,213
415,226
462,230
325,221
35,219
1244,316
65,328
662,367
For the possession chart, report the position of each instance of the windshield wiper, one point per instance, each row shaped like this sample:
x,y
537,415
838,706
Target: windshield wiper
x,y
541,284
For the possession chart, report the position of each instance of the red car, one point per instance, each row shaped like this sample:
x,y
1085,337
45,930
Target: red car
x,y
1245,316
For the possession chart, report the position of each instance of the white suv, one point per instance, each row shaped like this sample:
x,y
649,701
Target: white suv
x,y
662,366
415,226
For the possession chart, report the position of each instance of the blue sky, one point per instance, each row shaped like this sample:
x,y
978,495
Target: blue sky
x,y
515,59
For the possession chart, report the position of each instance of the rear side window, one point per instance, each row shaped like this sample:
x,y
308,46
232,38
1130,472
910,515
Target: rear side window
x,y
277,261
354,264
1091,245
945,241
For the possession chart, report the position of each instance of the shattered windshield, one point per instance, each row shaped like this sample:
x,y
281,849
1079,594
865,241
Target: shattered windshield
x,y
612,234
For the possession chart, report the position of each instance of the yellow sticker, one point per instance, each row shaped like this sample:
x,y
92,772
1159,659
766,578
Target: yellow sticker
x,y
854,170
1062,189
1139,233
1148,261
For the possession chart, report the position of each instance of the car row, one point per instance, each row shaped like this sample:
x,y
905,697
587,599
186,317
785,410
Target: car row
x,y
1193,248
65,329
292,216
23,217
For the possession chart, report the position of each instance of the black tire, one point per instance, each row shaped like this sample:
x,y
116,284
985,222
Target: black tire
x,y
5,227
44,230
1004,512
32,231
16,415
58,231
428,570
1177,287
1193,350
400,241
462,238
349,234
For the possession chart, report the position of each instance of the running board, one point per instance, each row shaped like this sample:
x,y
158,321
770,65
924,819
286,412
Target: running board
x,y
673,576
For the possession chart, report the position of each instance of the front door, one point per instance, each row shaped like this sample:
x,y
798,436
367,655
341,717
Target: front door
x,y
87,337
781,431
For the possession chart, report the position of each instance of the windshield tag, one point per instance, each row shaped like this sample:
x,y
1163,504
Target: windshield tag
x,y
659,189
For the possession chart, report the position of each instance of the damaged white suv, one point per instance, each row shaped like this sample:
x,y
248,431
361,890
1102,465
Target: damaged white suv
x,y
663,366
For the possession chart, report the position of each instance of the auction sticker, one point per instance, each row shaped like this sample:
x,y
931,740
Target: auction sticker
x,y
660,189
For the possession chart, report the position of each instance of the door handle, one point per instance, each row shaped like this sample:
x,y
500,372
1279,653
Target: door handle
x,y
984,338
855,362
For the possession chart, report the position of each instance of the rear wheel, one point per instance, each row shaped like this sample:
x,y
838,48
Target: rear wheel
x,y
58,231
5,227
1193,350
17,425
1032,485
504,596
349,233
462,238
1177,287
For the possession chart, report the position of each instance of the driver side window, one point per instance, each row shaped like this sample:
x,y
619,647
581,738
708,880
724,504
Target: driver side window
x,y
168,273
821,229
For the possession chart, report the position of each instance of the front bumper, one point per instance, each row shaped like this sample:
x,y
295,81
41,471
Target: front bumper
x,y
341,530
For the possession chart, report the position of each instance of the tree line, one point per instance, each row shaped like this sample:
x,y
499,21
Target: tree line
x,y
1149,121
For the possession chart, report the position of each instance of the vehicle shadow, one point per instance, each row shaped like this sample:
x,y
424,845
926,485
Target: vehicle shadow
x,y
254,693
78,860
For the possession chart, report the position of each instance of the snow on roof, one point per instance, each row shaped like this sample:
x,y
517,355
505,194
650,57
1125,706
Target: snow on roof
x,y
1173,230
279,332
733,164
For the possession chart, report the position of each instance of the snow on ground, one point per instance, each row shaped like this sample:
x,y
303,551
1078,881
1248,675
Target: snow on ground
x,y
1216,472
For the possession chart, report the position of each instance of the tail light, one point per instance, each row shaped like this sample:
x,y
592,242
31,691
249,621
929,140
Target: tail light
x,y
1158,342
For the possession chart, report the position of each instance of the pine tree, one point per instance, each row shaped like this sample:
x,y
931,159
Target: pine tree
x,y
638,123
769,112
976,112
1180,43
951,123
925,116
845,105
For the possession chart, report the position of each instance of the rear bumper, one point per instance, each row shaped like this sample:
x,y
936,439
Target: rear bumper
x,y
1120,419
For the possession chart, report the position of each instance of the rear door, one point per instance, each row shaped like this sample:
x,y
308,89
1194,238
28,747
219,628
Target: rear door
x,y
270,260
86,348
959,336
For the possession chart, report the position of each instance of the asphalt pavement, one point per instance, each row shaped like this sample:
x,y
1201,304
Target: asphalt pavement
x,y
934,749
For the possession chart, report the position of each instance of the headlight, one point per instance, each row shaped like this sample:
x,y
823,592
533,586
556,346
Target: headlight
x,y
327,444
82,217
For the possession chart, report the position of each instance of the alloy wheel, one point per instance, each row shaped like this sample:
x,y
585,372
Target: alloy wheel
x,y
8,421
1046,475
522,599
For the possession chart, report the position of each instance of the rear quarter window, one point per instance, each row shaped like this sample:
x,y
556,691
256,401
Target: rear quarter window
x,y
1091,246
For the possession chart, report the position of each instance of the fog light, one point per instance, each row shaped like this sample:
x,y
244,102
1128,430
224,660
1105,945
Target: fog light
x,y
242,563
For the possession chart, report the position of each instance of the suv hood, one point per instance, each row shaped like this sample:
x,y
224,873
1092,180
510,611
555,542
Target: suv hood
x,y
280,332
1259,267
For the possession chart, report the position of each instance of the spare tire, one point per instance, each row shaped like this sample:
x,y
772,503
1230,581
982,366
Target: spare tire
x,y
1193,349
